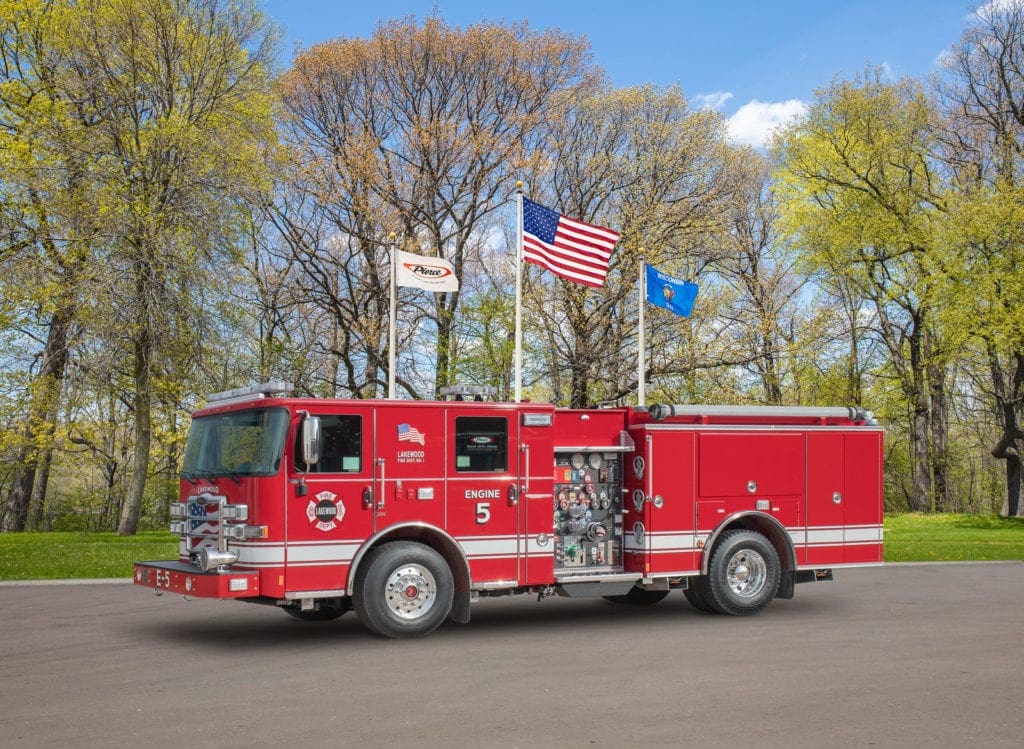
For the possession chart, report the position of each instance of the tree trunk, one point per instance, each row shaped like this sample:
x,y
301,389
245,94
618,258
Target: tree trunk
x,y
38,429
445,341
921,490
143,344
1011,442
37,504
1011,502
921,499
940,439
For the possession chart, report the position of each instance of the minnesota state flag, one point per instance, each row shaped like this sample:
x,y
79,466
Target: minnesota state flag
x,y
670,293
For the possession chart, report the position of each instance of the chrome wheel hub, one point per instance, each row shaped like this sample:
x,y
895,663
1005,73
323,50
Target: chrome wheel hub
x,y
747,573
410,591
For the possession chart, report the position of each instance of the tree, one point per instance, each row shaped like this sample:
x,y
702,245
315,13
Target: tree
x,y
759,269
641,161
983,146
178,90
49,228
862,198
418,130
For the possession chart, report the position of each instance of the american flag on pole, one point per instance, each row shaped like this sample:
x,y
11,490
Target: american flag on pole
x,y
572,249
411,434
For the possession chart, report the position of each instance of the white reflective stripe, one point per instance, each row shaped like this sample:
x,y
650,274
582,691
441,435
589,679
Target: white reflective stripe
x,y
326,553
267,554
534,549
672,541
863,533
305,552
818,537
489,547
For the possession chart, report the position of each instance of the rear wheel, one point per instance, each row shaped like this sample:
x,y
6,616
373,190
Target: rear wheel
x,y
403,589
638,596
743,575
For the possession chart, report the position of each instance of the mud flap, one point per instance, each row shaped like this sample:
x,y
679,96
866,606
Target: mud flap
x,y
460,608
786,585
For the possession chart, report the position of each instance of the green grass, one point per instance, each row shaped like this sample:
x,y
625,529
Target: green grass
x,y
940,537
47,556
909,537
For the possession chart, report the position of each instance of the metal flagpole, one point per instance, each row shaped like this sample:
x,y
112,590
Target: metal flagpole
x,y
519,295
391,318
641,365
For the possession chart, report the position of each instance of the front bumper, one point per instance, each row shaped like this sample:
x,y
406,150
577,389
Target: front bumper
x,y
178,577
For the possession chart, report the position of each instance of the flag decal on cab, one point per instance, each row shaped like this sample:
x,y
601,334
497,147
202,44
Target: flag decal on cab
x,y
407,433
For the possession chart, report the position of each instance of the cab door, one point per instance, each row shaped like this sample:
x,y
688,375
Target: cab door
x,y
329,506
483,495
410,449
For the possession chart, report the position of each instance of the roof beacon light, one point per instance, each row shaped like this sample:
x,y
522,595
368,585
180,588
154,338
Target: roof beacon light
x,y
262,390
470,392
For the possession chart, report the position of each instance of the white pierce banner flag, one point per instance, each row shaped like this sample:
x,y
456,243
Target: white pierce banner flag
x,y
429,273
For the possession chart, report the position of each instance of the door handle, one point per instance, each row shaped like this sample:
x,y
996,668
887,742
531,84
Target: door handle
x,y
513,495
383,484
367,498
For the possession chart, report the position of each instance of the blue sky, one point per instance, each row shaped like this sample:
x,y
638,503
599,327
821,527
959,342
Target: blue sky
x,y
754,61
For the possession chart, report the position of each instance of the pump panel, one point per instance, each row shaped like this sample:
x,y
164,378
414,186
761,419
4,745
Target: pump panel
x,y
588,512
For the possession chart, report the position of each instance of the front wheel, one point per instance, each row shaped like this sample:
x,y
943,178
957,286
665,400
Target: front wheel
x,y
696,595
743,575
403,589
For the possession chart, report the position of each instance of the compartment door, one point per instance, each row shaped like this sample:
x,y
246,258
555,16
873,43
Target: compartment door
x,y
670,512
826,498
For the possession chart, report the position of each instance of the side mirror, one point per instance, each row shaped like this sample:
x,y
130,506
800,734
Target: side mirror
x,y
311,440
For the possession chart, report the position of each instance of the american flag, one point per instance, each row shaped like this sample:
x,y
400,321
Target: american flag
x,y
569,248
407,433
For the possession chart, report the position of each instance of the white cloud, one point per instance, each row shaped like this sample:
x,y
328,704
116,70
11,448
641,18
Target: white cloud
x,y
715,100
754,122
993,7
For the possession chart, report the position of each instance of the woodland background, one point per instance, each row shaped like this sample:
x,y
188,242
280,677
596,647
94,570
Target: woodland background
x,y
178,216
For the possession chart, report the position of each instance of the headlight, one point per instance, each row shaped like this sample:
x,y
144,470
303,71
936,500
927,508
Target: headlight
x,y
210,559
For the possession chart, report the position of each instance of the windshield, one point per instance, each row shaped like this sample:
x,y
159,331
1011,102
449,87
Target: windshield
x,y
241,443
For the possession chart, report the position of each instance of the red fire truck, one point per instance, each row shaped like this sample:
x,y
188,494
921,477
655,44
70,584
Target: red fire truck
x,y
409,511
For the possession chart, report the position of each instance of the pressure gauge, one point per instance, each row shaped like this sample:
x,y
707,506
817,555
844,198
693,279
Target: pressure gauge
x,y
594,460
578,461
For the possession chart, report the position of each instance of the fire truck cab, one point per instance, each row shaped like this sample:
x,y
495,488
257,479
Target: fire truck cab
x,y
408,511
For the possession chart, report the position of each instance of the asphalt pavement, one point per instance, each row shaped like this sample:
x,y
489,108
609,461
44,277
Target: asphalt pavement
x,y
903,655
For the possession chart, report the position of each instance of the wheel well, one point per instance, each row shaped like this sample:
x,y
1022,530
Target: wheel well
x,y
440,542
767,526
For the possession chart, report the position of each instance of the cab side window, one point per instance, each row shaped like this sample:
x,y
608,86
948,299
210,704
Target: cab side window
x,y
341,445
481,444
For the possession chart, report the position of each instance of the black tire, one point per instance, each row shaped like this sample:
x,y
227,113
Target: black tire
x,y
327,611
403,589
638,596
695,595
743,575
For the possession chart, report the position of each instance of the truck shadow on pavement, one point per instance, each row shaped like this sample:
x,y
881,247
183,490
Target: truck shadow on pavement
x,y
242,627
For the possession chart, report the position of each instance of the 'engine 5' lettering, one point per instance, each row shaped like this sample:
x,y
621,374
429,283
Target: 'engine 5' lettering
x,y
483,493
